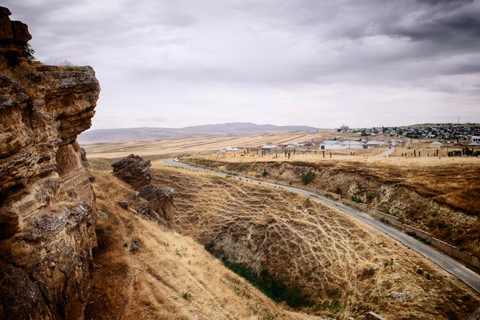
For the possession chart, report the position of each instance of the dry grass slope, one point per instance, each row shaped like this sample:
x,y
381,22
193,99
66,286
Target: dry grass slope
x,y
345,267
437,195
171,277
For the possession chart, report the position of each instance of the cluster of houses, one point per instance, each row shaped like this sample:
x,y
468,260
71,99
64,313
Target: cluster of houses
x,y
321,145
378,137
444,131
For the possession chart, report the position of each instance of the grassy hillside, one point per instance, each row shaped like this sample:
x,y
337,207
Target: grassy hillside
x,y
326,261
433,194
169,277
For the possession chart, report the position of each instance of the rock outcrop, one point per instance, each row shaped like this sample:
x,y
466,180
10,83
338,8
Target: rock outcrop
x,y
47,206
135,171
14,36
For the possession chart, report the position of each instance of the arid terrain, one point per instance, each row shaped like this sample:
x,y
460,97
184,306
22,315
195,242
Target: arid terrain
x,y
329,263
438,195
306,255
165,275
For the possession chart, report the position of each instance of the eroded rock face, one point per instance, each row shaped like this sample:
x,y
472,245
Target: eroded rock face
x,y
14,36
161,199
47,206
134,170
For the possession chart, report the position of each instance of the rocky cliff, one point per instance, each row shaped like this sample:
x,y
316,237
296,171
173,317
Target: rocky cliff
x,y
47,206
159,200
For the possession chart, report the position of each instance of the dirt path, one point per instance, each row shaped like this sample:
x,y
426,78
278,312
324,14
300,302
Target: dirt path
x,y
450,265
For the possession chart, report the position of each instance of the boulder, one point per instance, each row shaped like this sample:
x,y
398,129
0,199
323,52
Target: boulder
x,y
123,204
133,170
161,201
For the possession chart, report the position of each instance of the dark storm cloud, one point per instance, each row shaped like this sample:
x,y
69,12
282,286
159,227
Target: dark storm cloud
x,y
444,22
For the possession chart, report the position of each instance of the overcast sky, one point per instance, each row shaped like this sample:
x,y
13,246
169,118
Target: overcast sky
x,y
177,63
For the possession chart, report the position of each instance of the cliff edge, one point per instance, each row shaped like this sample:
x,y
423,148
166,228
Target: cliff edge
x,y
47,205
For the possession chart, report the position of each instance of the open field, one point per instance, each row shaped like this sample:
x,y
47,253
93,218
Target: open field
x,y
177,147
340,266
171,148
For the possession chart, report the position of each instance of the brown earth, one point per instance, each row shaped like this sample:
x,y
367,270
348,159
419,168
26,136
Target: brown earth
x,y
438,195
338,266
144,270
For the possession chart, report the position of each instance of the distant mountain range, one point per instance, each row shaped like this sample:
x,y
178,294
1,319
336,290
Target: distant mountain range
x,y
225,129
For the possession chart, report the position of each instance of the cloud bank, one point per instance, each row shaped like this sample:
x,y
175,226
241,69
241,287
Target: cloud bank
x,y
317,63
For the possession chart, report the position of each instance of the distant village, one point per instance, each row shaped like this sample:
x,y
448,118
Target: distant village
x,y
437,135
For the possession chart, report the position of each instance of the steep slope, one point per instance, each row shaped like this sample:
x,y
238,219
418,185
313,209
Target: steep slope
x,y
309,255
143,270
47,209
439,196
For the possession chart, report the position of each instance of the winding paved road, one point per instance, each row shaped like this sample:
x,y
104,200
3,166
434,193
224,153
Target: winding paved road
x,y
450,265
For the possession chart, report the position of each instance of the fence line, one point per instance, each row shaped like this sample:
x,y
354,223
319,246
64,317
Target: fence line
x,y
453,251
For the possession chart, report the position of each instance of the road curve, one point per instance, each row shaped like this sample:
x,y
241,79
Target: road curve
x,y
448,264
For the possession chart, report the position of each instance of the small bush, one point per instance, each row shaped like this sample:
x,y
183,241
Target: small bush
x,y
420,271
357,200
338,191
368,271
308,177
265,173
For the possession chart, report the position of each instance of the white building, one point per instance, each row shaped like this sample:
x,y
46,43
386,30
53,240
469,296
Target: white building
x,y
331,145
475,139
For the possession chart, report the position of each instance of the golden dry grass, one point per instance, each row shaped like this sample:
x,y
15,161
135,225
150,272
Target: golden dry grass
x,y
194,145
438,195
171,277
321,250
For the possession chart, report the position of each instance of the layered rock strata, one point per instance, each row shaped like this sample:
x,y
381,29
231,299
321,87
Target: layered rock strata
x,y
47,206
135,171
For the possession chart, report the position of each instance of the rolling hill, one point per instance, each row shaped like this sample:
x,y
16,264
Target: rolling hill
x,y
143,134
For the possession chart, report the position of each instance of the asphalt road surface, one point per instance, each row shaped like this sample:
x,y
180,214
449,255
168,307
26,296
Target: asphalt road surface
x,y
448,264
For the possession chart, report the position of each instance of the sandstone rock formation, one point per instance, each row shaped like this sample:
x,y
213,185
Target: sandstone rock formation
x,y
14,36
47,206
134,170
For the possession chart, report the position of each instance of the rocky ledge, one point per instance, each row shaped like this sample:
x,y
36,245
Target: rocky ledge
x,y
152,201
47,206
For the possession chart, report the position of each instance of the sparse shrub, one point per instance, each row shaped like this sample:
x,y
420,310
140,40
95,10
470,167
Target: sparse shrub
x,y
265,173
420,271
357,200
187,295
30,52
412,234
308,177
338,191
428,276
368,271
